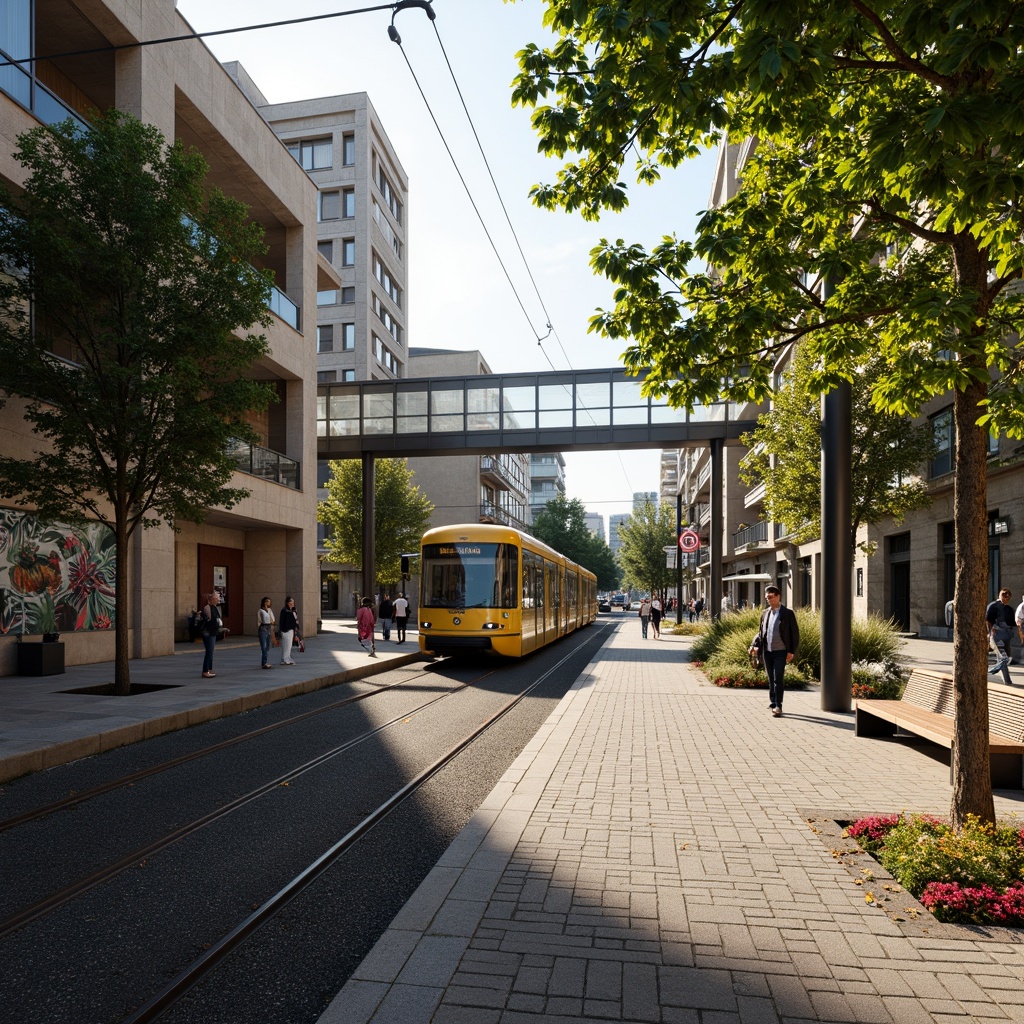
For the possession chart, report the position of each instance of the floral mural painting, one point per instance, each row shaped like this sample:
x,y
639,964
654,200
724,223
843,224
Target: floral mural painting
x,y
54,578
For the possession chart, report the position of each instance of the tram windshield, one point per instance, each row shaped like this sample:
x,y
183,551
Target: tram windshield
x,y
466,574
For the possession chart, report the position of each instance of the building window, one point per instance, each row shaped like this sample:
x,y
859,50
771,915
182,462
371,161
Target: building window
x,y
386,281
860,581
312,154
993,444
348,375
326,249
325,338
942,432
348,202
390,197
348,337
393,327
327,298
348,150
330,205
348,252
326,376
348,294
384,356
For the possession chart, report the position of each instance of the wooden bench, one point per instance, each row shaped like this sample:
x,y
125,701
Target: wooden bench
x,y
926,710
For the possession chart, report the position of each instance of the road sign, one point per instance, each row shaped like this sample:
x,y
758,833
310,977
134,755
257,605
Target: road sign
x,y
689,540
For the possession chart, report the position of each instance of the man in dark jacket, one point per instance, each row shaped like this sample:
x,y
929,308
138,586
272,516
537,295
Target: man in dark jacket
x,y
777,641
999,616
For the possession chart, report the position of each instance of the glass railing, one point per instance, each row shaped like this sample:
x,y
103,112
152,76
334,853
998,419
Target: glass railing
x,y
282,306
32,94
267,465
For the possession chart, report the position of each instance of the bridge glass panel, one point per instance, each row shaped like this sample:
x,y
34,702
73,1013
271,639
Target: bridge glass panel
x,y
593,402
519,408
378,412
321,415
556,405
662,412
714,413
629,406
483,406
412,412
446,408
343,413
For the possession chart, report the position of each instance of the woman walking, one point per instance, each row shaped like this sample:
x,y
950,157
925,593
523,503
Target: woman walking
x,y
365,621
212,625
288,622
265,631
656,616
645,615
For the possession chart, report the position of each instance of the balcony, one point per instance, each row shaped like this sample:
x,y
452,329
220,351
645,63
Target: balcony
x,y
493,472
492,513
750,537
280,305
34,96
754,496
267,465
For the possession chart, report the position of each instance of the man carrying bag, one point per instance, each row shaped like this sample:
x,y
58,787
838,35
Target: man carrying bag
x,y
777,641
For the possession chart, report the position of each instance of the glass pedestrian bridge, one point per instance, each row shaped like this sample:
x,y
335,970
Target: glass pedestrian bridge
x,y
572,410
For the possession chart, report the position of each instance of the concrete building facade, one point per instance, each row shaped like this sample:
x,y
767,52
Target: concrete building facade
x,y
547,479
267,543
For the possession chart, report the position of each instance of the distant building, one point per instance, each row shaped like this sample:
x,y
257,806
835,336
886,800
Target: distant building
x,y
615,520
547,479
641,498
469,488
595,524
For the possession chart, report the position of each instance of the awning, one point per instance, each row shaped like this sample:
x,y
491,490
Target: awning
x,y
750,577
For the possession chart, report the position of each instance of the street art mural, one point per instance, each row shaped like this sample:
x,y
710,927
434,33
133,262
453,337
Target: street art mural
x,y
54,578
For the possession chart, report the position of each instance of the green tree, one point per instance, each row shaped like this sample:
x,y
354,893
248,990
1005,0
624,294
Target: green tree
x,y
785,452
401,514
123,320
645,535
887,165
562,525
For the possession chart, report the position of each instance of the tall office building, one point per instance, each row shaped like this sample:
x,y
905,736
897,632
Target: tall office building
x,y
641,498
595,523
547,479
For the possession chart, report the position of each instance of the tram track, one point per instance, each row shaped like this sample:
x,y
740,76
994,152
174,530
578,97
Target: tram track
x,y
74,799
204,965
65,895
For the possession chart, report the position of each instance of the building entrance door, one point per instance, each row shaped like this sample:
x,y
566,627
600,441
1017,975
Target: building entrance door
x,y
901,595
222,569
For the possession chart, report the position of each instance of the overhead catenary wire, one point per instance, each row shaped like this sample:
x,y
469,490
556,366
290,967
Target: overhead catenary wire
x,y
476,209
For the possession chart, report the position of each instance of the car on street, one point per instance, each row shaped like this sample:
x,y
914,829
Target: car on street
x,y
604,605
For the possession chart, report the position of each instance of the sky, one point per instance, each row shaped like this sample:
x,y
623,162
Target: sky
x,y
458,294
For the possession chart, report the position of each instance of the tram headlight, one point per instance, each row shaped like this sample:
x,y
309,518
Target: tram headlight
x,y
493,625
424,625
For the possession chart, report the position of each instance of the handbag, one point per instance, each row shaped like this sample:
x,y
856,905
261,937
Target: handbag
x,y
300,646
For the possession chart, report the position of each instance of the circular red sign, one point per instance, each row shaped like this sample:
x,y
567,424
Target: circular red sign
x,y
689,540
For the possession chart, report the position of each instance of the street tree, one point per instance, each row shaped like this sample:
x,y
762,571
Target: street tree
x,y
645,535
562,525
879,213
888,455
401,513
124,317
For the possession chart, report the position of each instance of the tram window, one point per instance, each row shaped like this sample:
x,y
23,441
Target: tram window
x,y
466,574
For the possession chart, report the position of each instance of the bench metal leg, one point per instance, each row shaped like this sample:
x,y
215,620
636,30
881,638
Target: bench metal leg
x,y
867,724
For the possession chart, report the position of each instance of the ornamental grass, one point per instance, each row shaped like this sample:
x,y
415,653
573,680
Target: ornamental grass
x,y
973,876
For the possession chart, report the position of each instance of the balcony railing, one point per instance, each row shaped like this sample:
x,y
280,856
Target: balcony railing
x,y
754,495
491,467
267,465
495,513
756,534
34,96
279,304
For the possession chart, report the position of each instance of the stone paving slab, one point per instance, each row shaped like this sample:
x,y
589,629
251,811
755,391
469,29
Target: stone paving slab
x,y
649,857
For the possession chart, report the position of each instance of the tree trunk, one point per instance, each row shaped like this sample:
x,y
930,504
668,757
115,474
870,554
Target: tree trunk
x,y
972,780
122,602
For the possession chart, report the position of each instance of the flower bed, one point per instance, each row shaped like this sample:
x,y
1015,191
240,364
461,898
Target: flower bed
x,y
969,877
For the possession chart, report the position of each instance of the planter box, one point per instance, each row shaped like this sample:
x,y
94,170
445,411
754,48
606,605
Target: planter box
x,y
39,659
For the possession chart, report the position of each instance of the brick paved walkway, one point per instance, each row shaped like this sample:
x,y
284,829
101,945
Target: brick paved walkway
x,y
649,857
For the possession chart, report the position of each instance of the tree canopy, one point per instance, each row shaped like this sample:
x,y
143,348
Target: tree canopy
x,y
561,524
880,152
123,320
401,514
888,456
645,535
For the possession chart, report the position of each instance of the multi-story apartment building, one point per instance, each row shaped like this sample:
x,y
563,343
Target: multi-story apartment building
x,y
595,524
362,217
362,209
909,574
469,488
615,520
641,498
547,479
267,543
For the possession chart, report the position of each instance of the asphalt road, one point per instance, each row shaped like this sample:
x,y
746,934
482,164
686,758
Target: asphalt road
x,y
100,956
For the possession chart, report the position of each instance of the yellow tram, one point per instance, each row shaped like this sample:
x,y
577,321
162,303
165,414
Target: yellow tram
x,y
493,589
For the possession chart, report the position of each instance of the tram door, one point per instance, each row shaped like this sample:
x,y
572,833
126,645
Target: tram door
x,y
551,611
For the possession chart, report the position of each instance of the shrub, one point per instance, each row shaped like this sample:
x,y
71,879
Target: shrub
x,y
971,876
688,628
